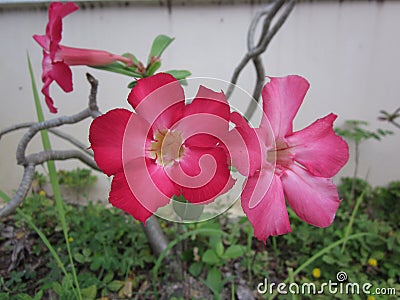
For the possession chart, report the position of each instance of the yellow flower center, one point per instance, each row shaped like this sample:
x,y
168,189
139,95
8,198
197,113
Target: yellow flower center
x,y
167,147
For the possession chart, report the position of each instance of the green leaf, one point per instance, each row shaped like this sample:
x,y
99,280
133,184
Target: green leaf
x,y
79,258
131,56
132,84
195,268
153,68
120,69
4,196
210,257
57,288
89,292
219,249
214,280
108,277
234,251
179,74
115,285
160,43
96,263
187,211
87,252
329,259
38,296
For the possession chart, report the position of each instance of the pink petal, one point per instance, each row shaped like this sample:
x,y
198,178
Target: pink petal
x,y
46,93
149,183
202,174
43,41
209,102
106,138
246,148
62,74
269,216
319,149
282,98
57,11
314,199
206,119
159,99
137,138
202,129
122,197
78,56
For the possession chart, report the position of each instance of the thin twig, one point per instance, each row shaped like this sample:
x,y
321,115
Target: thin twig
x,y
56,132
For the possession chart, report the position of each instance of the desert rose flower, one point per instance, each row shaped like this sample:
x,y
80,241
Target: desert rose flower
x,y
57,58
164,148
297,166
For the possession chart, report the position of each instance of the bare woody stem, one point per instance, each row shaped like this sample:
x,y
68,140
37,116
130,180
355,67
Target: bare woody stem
x,y
254,51
153,231
56,132
31,161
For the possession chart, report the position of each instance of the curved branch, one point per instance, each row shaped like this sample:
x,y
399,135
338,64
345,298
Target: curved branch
x,y
23,189
257,89
15,128
91,111
56,132
31,161
254,52
43,156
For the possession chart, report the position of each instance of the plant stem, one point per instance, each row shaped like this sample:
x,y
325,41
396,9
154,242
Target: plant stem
x,y
356,161
350,225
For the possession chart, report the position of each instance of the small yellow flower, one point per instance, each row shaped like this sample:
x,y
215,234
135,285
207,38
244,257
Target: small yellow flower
x,y
370,298
163,225
70,239
316,273
373,262
42,193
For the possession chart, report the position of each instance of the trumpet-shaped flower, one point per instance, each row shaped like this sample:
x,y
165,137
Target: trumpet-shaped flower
x,y
297,166
57,58
164,148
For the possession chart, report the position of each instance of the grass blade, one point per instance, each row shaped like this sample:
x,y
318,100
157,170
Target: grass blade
x,y
53,178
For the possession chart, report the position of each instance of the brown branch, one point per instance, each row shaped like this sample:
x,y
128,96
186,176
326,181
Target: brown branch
x,y
43,156
22,191
155,235
56,132
31,161
254,51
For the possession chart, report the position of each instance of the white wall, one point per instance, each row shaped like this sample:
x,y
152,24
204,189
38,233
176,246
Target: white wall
x,y
349,52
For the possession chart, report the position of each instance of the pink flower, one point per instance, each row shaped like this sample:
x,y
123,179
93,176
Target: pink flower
x,y
58,58
165,148
297,166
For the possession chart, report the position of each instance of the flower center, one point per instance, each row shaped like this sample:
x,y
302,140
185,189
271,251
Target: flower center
x,y
280,154
167,147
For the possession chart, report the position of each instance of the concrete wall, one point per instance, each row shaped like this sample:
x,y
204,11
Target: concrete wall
x,y
349,52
